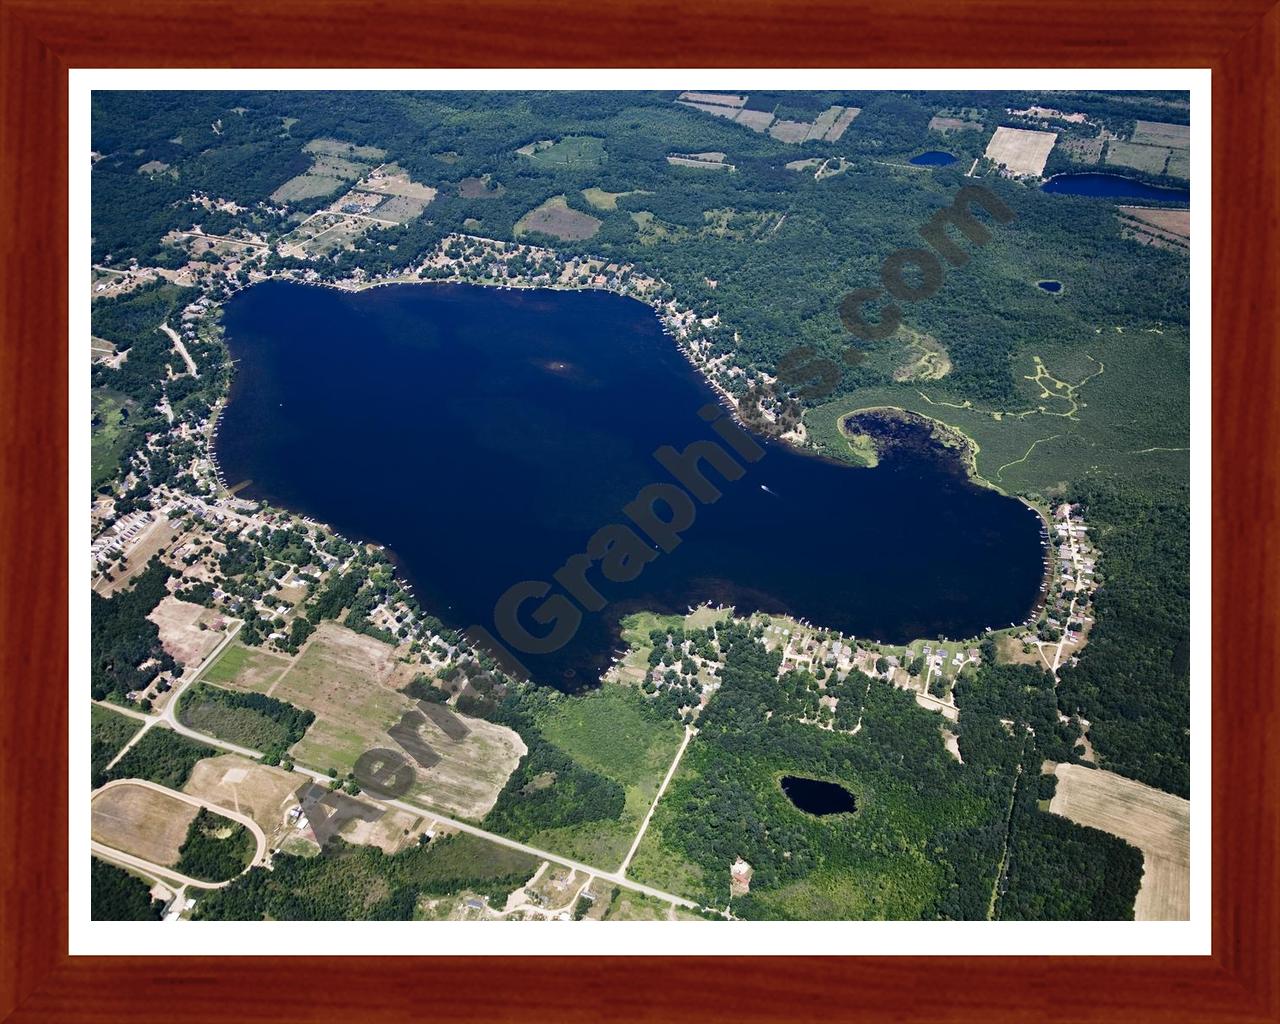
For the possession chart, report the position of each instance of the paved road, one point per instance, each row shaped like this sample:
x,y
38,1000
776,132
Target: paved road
x,y
169,717
260,838
644,826
166,875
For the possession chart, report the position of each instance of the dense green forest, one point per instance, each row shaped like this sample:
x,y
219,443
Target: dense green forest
x,y
161,756
1133,682
361,883
252,720
124,638
215,849
799,244
116,895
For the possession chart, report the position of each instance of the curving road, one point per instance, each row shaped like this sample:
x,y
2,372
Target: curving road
x,y
110,853
169,718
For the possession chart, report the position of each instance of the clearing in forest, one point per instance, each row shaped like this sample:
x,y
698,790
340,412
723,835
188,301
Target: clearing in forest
x,y
555,218
1020,151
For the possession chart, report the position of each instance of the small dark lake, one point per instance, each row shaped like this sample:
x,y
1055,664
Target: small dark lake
x,y
816,797
933,158
483,436
1050,286
1113,186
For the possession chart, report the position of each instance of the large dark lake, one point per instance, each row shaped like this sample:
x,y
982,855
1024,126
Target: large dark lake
x,y
1113,186
484,435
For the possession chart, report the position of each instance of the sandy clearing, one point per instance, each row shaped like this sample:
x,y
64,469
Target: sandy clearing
x,y
141,822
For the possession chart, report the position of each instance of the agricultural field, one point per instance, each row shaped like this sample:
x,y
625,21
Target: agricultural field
x,y
181,634
1161,227
1156,822
572,153
351,682
109,731
947,121
141,821
710,161
241,667
555,218
1157,133
255,790
1022,151
1147,159
333,164
1083,151
325,233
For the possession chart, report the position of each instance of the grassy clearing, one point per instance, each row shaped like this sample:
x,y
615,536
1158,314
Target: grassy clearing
x,y
603,200
110,438
240,667
611,731
572,153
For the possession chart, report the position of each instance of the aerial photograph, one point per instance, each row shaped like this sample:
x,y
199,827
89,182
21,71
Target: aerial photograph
x,y
678,506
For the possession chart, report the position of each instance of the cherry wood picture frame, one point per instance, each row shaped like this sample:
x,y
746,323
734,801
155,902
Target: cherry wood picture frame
x,y
41,39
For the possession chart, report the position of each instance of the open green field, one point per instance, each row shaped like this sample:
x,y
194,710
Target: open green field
x,y
572,153
110,433
241,667
108,732
613,732
1119,399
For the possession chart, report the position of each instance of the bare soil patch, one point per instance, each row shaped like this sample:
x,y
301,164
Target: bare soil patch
x,y
141,821
555,218
239,784
180,633
1022,151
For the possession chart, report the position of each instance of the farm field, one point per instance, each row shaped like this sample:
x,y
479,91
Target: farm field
x,y
333,164
1157,823
351,682
1022,151
1163,227
709,161
240,667
1158,133
141,821
555,218
179,623
1148,159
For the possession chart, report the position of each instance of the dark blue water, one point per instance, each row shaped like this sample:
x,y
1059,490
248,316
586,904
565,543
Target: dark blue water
x,y
933,158
817,797
1050,286
1113,186
483,436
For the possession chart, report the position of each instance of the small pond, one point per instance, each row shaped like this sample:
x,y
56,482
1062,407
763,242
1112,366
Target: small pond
x,y
1050,286
933,158
816,797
